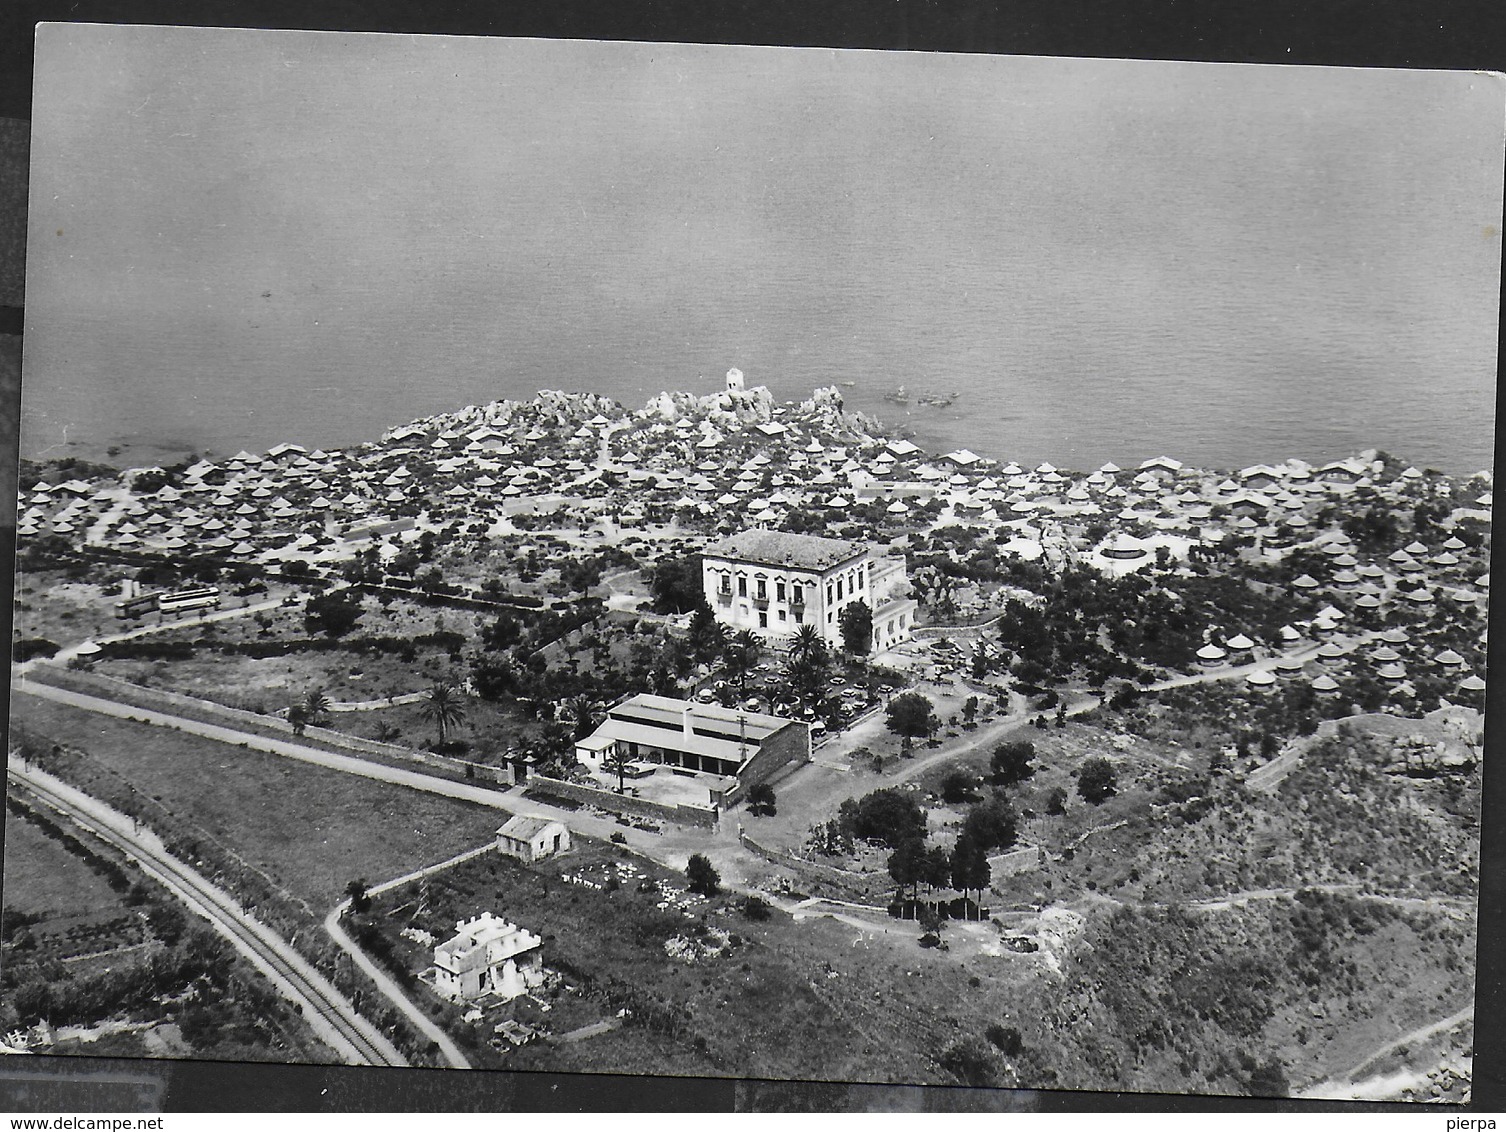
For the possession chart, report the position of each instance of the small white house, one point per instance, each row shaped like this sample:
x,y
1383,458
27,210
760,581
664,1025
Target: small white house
x,y
530,837
488,955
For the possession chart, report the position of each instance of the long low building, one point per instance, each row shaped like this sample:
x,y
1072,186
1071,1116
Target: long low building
x,y
701,738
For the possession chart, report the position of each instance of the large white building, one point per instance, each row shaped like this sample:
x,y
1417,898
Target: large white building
x,y
488,955
773,582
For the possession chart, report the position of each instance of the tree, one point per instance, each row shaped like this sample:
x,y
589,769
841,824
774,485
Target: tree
x,y
502,633
761,799
1096,780
912,716
991,824
890,816
969,1061
958,786
970,710
1011,762
1268,1079
741,657
702,876
707,636
756,908
940,593
333,614
1005,1038
492,676
676,586
298,718
808,647
856,624
1056,802
936,867
443,707
907,865
360,897
969,866
583,714
616,759
316,706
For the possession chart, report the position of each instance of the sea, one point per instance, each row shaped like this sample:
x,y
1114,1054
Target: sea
x,y
1105,263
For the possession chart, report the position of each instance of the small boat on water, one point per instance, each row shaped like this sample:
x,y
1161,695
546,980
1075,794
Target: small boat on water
x,y
900,396
937,400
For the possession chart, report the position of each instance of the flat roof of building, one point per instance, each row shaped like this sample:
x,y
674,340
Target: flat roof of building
x,y
784,548
728,750
665,709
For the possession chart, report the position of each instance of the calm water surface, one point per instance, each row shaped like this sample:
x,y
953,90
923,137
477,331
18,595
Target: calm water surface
x,y
1105,261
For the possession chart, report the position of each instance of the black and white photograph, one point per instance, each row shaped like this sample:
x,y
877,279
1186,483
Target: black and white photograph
x,y
755,562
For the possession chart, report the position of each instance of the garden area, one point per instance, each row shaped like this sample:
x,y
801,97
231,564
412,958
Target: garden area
x,y
710,986
129,973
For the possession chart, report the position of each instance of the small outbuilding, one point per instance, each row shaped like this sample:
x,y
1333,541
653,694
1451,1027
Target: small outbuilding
x,y
531,837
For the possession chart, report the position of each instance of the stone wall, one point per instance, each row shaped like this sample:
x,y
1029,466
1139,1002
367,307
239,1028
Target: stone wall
x,y
810,870
265,726
789,746
703,817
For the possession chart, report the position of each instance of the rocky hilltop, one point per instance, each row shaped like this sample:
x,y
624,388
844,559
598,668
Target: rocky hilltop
x,y
724,411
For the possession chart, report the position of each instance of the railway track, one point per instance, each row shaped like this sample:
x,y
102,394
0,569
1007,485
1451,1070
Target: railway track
x,y
330,1014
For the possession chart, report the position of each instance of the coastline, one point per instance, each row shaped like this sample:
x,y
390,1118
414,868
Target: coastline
x,y
932,429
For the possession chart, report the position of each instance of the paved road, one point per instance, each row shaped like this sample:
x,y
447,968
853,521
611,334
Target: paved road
x,y
329,1014
508,802
347,763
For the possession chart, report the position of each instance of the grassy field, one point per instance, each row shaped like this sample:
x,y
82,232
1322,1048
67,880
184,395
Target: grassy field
x,y
269,684
311,829
790,998
50,607
43,878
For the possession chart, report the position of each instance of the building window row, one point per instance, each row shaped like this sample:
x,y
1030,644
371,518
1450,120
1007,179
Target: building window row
x,y
792,592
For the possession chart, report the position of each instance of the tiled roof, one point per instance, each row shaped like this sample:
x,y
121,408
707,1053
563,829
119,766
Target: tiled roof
x,y
782,548
525,826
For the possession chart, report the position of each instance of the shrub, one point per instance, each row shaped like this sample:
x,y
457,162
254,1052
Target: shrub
x,y
889,816
958,786
970,1063
1005,1038
1096,780
702,876
33,647
1012,762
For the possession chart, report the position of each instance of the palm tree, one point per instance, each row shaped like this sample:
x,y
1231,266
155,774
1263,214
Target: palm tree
x,y
583,713
742,654
807,646
315,706
443,708
617,759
